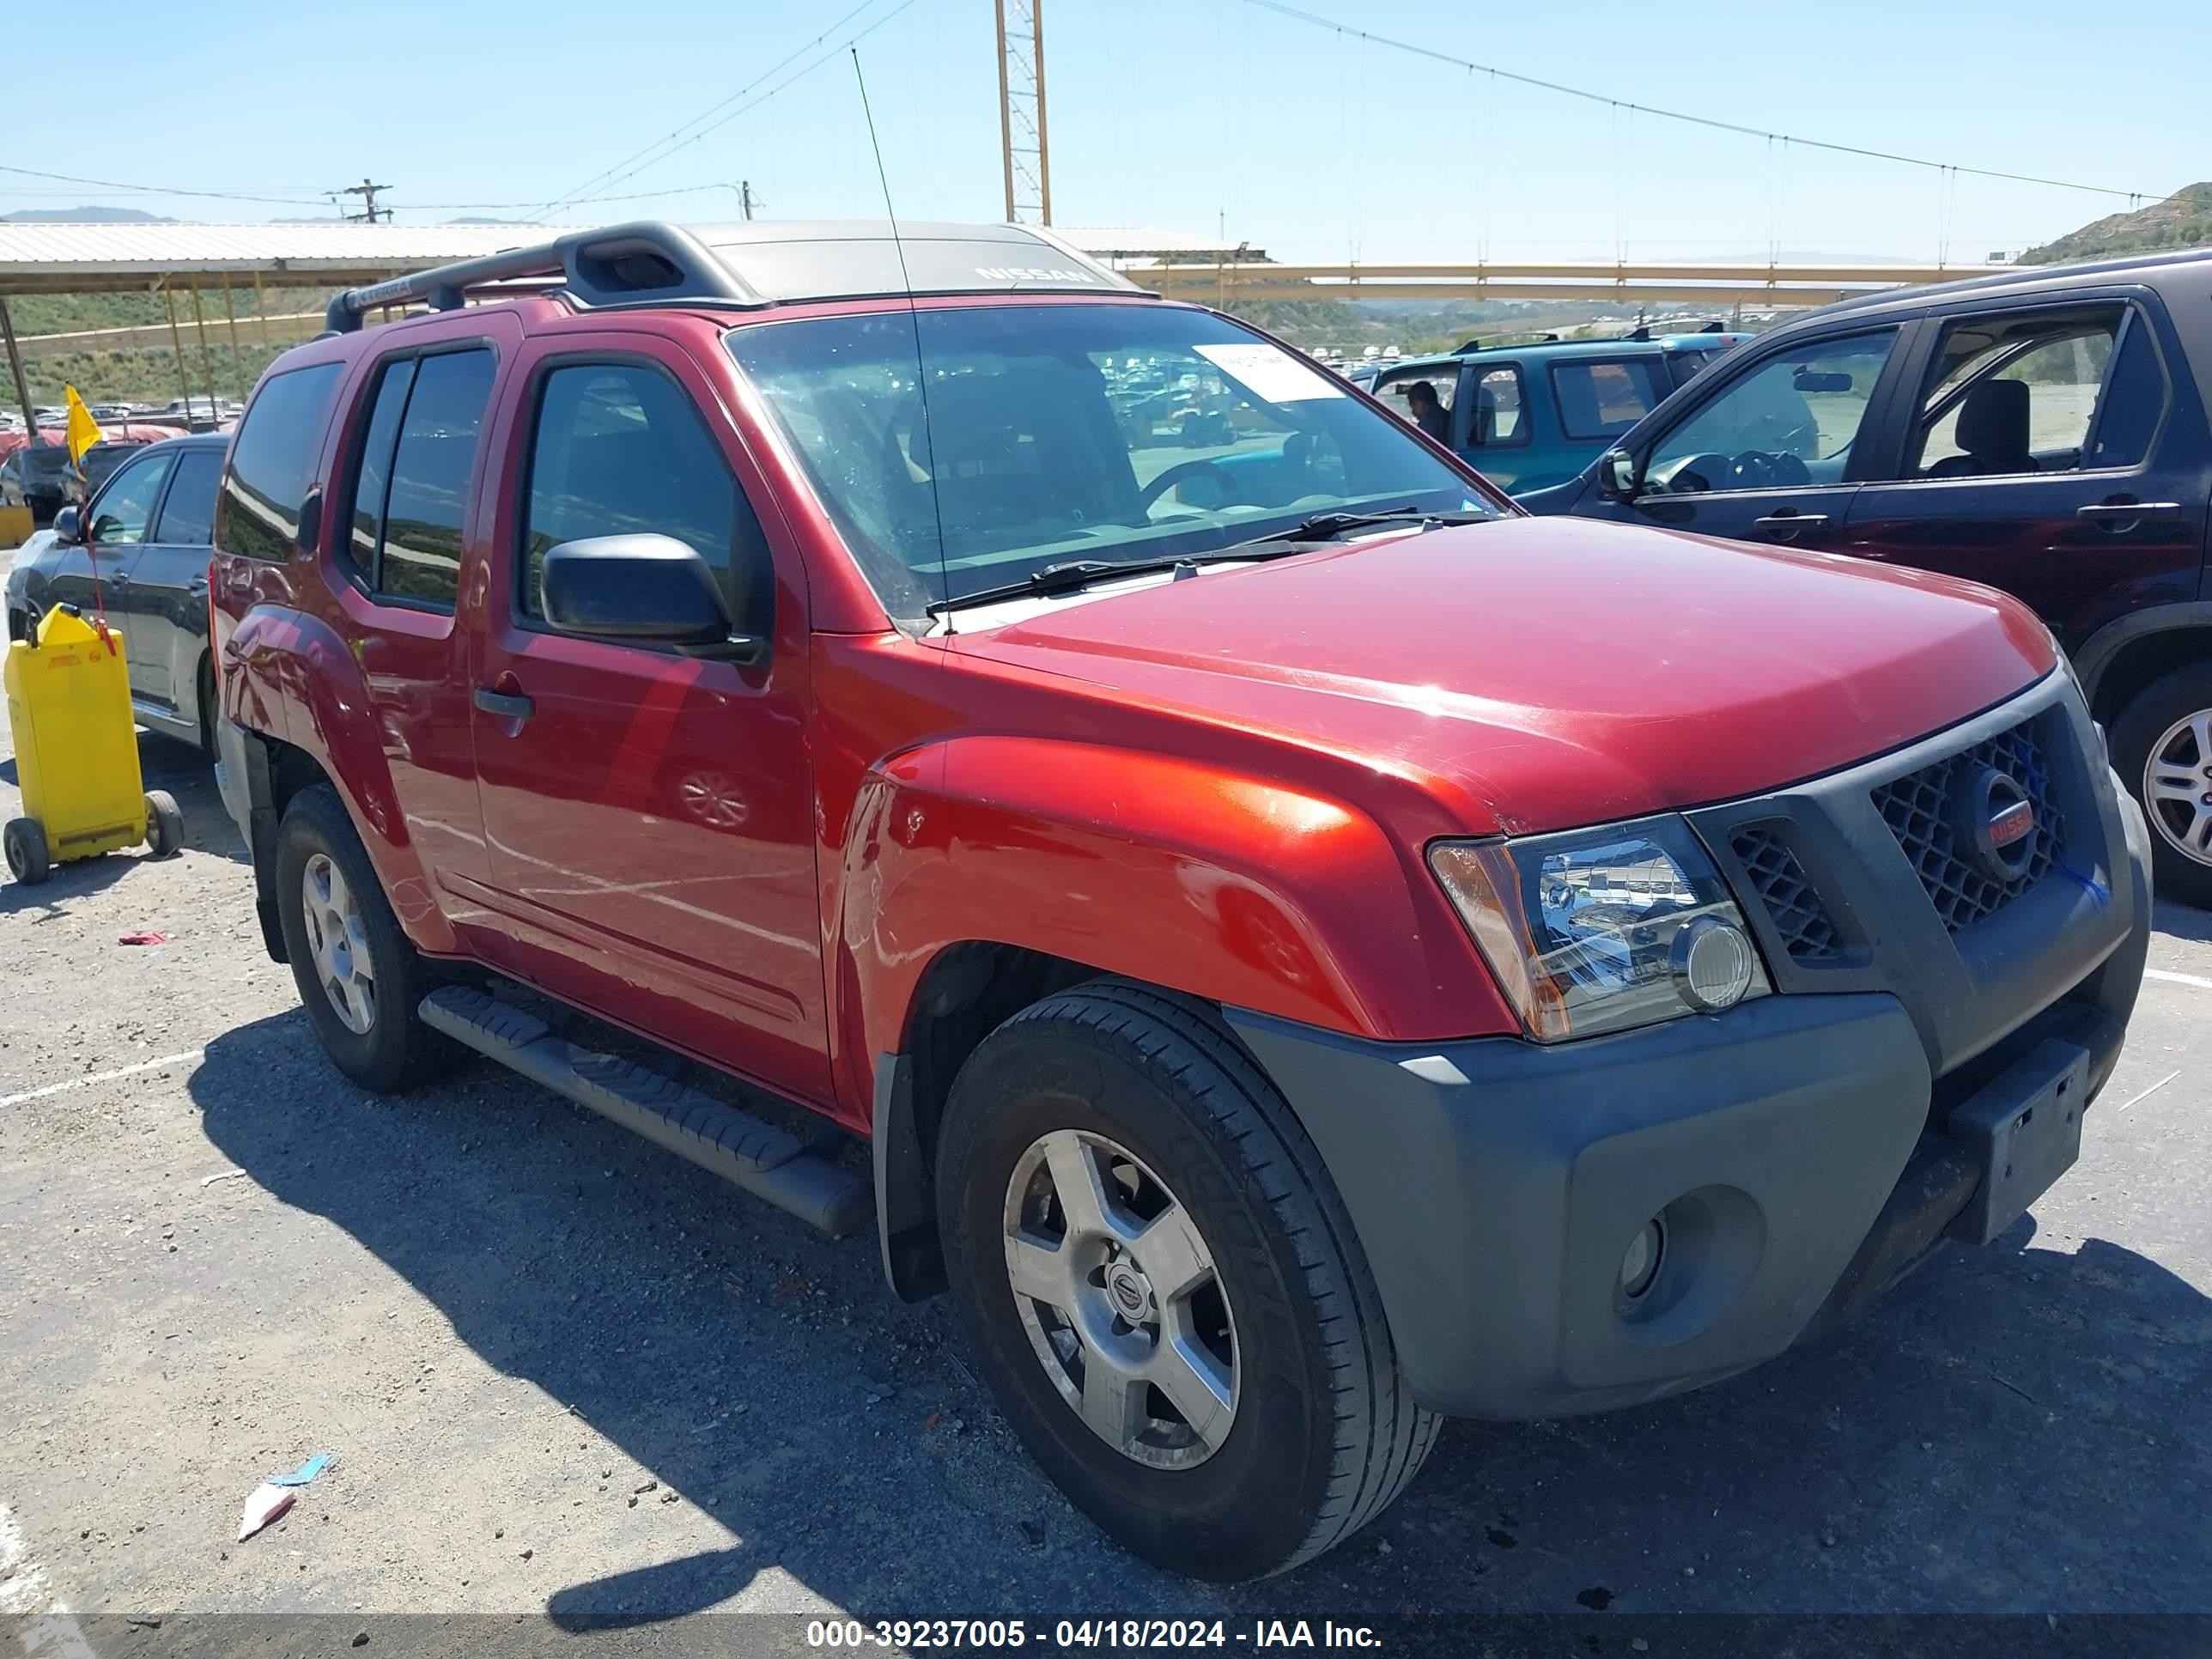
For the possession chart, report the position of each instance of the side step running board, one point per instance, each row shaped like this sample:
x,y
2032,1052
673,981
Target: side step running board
x,y
766,1161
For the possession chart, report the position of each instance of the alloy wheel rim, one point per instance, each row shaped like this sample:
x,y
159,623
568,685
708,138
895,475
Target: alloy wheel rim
x,y
338,944
1118,1291
2178,786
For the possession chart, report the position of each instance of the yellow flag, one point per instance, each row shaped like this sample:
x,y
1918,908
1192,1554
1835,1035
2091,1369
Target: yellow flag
x,y
83,431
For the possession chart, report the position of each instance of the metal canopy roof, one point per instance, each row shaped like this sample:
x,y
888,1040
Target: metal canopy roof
x,y
51,258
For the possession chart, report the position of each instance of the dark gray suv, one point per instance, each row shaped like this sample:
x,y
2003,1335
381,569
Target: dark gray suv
x,y
146,534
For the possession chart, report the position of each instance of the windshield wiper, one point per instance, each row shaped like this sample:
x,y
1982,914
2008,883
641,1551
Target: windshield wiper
x,y
1070,575
1328,526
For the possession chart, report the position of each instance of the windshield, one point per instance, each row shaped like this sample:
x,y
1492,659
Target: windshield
x,y
1114,432
101,460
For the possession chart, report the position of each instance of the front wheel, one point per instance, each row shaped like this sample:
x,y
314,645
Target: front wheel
x,y
2162,750
359,979
1165,1290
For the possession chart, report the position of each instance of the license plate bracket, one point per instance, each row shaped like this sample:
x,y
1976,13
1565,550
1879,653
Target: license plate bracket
x,y
2025,1126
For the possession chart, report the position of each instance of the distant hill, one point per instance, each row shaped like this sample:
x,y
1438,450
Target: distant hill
x,y
2182,220
84,216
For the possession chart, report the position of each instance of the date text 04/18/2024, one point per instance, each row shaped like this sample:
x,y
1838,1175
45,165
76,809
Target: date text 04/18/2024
x,y
1086,1633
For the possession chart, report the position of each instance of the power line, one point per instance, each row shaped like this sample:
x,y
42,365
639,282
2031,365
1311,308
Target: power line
x,y
675,136
164,190
1434,56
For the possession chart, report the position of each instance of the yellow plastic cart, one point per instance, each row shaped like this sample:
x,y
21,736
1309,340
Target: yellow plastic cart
x,y
76,751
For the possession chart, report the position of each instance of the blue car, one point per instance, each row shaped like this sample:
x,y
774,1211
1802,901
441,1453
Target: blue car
x,y
1529,417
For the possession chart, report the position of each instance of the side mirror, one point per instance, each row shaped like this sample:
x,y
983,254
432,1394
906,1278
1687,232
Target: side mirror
x,y
69,527
1617,478
311,523
644,589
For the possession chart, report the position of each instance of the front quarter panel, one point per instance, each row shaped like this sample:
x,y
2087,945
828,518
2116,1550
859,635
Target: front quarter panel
x,y
1229,886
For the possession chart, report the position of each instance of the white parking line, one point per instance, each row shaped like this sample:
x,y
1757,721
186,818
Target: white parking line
x,y
91,1078
47,1631
2172,978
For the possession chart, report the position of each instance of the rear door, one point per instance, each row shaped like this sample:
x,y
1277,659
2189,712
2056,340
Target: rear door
x,y
650,815
1772,451
2053,450
408,526
169,586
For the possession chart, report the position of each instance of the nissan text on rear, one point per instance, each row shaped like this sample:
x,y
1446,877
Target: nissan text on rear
x,y
1297,950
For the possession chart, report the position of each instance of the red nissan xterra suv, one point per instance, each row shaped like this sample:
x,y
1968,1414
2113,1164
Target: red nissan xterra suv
x,y
1311,948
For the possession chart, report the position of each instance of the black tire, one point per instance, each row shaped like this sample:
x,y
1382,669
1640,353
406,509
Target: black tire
x,y
165,824
26,848
2149,715
397,1051
1325,1433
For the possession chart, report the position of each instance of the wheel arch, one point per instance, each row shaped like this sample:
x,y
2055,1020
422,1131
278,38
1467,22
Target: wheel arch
x,y
2125,655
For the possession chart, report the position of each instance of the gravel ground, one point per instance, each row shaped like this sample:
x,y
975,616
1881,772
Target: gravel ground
x,y
565,1373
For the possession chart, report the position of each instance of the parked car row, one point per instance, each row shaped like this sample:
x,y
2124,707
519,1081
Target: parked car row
x,y
2043,431
1309,946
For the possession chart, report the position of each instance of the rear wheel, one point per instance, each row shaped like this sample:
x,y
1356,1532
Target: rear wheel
x,y
359,979
2162,750
25,842
165,824
1165,1290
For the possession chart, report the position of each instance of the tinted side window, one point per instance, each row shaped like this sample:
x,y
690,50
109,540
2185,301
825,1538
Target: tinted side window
x,y
188,516
373,477
260,508
1604,400
122,511
2132,403
2015,393
619,450
428,500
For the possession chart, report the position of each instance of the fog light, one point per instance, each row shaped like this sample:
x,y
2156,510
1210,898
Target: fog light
x,y
1713,964
1639,1265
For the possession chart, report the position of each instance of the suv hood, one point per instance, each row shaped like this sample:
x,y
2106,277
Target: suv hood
x,y
1545,673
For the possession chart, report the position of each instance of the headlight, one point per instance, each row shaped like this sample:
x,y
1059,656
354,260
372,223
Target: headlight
x,y
1599,930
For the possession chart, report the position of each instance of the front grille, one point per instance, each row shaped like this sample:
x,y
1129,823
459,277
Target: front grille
x,y
1792,902
1918,811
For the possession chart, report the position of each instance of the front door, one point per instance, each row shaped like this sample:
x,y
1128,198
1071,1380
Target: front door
x,y
1771,455
650,815
2052,452
96,576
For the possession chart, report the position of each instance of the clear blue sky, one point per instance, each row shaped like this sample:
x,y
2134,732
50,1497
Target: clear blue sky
x,y
1188,114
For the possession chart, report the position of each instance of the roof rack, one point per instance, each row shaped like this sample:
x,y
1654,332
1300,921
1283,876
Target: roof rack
x,y
622,262
754,264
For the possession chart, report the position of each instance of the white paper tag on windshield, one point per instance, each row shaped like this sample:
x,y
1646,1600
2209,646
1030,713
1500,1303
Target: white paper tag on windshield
x,y
1270,374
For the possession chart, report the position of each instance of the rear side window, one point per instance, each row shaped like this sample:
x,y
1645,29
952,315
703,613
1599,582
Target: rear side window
x,y
259,513
1604,400
411,494
619,450
1497,407
188,515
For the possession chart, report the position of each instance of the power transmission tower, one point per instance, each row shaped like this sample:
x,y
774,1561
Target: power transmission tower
x,y
1021,112
366,191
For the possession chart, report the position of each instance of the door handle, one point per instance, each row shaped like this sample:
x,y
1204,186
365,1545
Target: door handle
x,y
120,578
2119,515
508,706
1778,523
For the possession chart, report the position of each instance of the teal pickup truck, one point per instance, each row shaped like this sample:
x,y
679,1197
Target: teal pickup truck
x,y
1529,417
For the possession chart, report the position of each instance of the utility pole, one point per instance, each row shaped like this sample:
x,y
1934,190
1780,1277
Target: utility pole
x,y
366,191
16,367
746,198
1025,155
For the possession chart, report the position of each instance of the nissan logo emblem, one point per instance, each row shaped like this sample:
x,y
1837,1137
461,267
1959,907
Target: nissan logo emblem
x,y
1995,822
